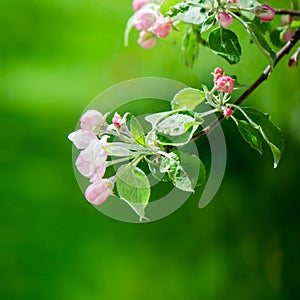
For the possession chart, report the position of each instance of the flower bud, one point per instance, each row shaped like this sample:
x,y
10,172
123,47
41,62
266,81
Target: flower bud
x,y
138,4
225,84
147,39
162,26
218,72
91,119
294,60
82,138
228,112
224,19
232,1
98,192
288,35
266,13
118,121
144,19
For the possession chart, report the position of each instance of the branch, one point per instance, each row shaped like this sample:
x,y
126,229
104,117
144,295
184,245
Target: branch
x,y
264,76
287,12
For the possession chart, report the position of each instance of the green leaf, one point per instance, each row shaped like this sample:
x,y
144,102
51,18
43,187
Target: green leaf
x,y
276,39
181,179
187,98
134,188
208,23
175,125
167,4
295,24
154,168
271,133
194,15
257,37
194,167
251,135
137,131
156,118
225,43
190,48
248,4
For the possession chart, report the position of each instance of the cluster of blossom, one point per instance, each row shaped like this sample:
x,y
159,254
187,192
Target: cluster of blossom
x,y
92,160
225,84
266,13
150,23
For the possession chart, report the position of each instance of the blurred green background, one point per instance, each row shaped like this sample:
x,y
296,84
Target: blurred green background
x,y
55,57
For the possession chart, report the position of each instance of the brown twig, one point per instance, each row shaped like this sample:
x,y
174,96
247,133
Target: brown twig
x,y
264,76
287,12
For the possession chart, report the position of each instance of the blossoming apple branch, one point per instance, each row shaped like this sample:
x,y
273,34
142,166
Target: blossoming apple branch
x,y
107,141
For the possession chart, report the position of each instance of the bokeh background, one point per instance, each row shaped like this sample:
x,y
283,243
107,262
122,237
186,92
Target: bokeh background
x,y
55,57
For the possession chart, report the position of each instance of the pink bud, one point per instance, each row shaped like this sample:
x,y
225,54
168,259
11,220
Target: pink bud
x,y
81,138
232,1
91,119
228,112
225,84
98,192
288,35
162,26
218,72
294,60
266,13
144,19
138,4
224,19
118,121
147,39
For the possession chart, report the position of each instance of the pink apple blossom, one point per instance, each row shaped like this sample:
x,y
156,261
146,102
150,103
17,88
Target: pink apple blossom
x,y
147,39
92,160
81,138
144,19
266,13
224,19
138,4
162,26
218,72
225,84
98,192
228,112
232,1
91,119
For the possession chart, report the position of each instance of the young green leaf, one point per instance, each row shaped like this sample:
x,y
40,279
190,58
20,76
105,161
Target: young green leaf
x,y
250,134
154,119
194,167
208,23
257,37
248,4
190,48
154,168
167,4
175,125
181,179
225,43
194,15
137,131
134,188
271,133
187,98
